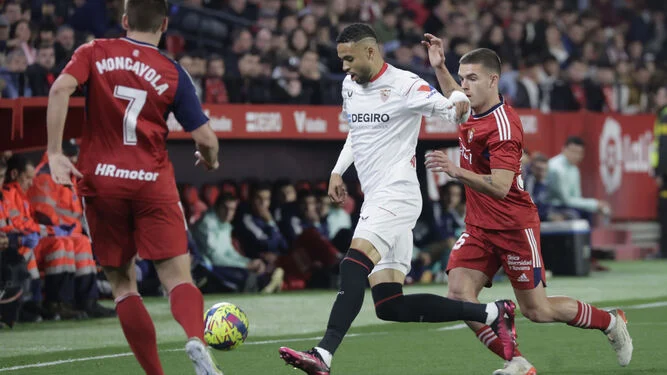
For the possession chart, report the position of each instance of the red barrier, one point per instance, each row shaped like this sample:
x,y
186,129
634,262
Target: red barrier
x,y
616,166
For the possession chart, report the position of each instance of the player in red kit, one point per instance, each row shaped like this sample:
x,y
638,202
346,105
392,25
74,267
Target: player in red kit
x,y
126,178
502,224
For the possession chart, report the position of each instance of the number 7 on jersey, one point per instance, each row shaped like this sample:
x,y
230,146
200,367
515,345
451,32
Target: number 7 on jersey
x,y
137,99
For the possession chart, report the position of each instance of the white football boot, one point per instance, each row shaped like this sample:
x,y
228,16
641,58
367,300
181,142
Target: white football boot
x,y
517,366
201,358
620,339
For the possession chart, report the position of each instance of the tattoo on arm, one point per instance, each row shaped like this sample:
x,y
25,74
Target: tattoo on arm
x,y
488,180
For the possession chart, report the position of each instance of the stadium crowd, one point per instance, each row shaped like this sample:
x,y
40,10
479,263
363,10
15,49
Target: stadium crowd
x,y
254,236
600,55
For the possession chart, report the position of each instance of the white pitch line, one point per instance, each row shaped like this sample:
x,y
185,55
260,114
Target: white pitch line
x,y
276,341
129,354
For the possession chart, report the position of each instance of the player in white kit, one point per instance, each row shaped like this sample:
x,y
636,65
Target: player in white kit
x,y
384,106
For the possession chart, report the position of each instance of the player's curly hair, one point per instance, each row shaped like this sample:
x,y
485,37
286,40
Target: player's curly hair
x,y
146,15
356,32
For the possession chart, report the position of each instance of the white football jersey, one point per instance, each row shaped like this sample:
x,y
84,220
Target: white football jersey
x,y
385,117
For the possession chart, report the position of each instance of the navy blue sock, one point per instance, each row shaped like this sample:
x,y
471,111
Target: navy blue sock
x,y
354,271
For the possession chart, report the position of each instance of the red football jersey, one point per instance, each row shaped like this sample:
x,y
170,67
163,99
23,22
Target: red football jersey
x,y
130,90
494,140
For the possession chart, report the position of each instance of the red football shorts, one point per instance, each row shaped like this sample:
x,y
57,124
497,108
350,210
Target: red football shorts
x,y
517,251
121,228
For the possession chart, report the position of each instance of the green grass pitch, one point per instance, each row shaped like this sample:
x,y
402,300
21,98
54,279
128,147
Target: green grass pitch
x,y
373,347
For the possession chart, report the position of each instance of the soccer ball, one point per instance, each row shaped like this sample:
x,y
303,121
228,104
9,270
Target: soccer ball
x,y
226,326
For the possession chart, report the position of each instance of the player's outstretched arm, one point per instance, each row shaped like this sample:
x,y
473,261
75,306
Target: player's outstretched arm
x,y
207,146
56,113
497,184
436,55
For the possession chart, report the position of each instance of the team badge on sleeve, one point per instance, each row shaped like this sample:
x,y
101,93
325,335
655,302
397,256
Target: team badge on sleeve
x,y
384,94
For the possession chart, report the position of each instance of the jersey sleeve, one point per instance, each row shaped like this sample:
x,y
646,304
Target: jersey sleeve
x,y
80,64
421,97
504,145
186,107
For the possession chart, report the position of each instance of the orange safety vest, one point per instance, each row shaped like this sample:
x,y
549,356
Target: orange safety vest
x,y
7,211
20,217
54,203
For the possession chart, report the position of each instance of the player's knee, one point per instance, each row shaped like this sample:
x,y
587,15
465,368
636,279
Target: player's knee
x,y
388,299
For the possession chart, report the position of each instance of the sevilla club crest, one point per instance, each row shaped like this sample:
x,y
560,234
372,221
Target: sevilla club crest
x,y
384,94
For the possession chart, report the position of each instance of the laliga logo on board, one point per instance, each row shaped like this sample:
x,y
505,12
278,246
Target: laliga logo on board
x,y
619,153
259,122
309,125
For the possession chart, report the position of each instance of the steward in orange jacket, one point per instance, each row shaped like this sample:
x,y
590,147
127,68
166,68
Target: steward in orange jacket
x,y
42,251
58,205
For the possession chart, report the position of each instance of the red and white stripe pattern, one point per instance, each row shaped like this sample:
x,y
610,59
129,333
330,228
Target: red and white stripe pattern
x,y
504,128
584,316
486,335
537,261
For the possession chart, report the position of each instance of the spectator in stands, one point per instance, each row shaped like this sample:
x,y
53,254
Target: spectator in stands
x,y
213,234
257,230
242,9
308,22
187,61
242,41
4,34
337,222
12,11
283,194
289,22
564,184
555,44
14,76
449,216
41,74
47,35
529,93
263,41
578,93
20,37
310,74
214,84
298,41
64,45
535,184
300,216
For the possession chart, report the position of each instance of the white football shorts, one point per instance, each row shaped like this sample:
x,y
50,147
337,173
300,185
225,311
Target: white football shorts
x,y
388,224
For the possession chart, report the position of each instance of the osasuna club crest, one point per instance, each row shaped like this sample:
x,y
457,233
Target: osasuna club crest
x,y
384,94
471,133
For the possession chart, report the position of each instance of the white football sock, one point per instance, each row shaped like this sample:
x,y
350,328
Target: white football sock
x,y
612,324
491,313
326,356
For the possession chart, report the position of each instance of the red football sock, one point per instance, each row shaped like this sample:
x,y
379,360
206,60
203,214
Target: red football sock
x,y
590,317
490,339
139,332
187,306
